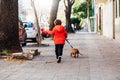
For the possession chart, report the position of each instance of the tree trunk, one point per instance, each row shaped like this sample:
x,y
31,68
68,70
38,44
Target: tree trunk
x,y
68,21
68,5
9,38
38,27
53,13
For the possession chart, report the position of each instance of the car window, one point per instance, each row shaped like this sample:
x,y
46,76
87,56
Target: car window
x,y
28,25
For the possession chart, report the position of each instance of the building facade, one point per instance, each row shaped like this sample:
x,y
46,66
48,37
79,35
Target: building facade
x,y
107,15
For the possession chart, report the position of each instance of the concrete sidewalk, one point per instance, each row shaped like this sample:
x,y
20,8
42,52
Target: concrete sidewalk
x,y
100,61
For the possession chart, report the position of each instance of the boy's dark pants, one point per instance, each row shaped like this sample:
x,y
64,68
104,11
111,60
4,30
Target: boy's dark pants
x,y
59,50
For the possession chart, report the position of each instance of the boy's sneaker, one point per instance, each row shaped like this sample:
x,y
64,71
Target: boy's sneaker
x,y
59,59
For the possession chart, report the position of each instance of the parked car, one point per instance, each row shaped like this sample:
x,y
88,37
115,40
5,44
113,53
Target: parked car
x,y
22,34
44,32
31,30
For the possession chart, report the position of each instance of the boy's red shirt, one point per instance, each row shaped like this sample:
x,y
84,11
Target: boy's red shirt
x,y
59,33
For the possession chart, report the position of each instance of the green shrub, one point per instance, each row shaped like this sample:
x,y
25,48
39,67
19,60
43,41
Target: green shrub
x,y
5,52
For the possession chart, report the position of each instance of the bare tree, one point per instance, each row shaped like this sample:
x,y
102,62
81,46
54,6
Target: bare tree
x,y
68,6
53,13
36,17
9,38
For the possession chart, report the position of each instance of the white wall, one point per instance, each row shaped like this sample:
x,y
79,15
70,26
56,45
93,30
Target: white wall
x,y
117,23
117,29
108,20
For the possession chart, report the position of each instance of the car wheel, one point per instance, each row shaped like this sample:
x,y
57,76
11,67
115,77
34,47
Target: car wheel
x,y
34,40
47,35
24,44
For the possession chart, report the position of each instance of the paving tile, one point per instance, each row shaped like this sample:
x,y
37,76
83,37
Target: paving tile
x,y
100,61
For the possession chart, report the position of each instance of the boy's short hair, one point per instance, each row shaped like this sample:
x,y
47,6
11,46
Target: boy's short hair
x,y
57,22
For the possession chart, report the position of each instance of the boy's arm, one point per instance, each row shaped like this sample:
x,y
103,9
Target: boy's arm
x,y
51,32
66,34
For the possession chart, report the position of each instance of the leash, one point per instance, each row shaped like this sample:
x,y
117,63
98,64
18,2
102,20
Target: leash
x,y
69,43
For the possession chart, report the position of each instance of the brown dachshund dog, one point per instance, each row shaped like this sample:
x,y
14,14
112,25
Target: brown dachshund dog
x,y
74,53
